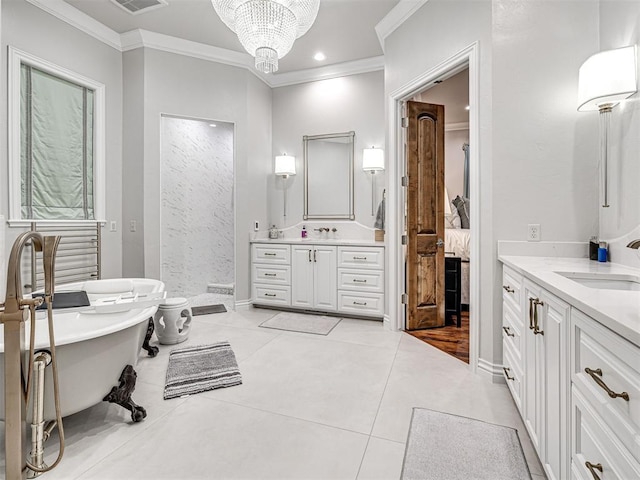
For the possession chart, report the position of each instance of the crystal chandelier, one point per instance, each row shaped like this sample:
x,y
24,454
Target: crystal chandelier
x,y
267,28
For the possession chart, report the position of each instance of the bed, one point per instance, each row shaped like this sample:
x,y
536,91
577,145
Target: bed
x,y
457,244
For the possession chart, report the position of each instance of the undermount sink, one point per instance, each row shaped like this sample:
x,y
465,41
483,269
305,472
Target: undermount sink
x,y
607,281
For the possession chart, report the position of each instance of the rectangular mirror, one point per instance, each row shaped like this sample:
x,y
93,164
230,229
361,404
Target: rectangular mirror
x,y
328,176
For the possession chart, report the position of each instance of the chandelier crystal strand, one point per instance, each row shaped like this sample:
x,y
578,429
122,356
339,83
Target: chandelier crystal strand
x,y
267,28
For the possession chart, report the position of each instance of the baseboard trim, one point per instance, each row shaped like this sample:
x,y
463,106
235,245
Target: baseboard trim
x,y
490,370
243,304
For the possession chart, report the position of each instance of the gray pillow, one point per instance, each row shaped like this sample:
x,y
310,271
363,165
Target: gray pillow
x,y
462,205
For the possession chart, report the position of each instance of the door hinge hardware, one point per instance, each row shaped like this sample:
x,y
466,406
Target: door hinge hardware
x,y
404,299
405,122
405,240
404,181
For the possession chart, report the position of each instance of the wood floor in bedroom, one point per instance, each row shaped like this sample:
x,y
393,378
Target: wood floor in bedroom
x,y
450,339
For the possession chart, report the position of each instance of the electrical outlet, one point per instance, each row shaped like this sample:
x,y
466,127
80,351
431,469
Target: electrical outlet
x,y
533,232
113,226
256,226
133,226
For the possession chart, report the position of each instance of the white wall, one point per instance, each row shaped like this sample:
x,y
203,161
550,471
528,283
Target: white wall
x,y
189,87
534,164
620,223
342,104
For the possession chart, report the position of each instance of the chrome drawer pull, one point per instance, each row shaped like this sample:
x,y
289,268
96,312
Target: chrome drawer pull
x,y
270,295
596,374
359,303
508,288
359,281
270,254
508,331
506,373
359,258
593,467
269,274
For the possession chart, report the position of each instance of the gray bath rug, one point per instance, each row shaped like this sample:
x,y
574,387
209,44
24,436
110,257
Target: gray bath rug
x,y
201,368
300,322
207,309
448,447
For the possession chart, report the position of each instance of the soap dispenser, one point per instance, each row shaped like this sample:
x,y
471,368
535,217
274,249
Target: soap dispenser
x,y
273,232
304,232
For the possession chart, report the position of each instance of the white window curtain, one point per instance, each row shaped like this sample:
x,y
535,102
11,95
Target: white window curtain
x,y
57,147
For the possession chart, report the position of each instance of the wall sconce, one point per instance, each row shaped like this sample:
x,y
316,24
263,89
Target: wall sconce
x,y
604,80
373,161
284,167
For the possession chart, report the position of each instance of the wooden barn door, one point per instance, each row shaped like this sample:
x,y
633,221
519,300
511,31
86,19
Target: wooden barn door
x,y
425,216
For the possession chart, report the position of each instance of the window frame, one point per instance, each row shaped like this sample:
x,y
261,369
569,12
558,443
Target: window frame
x,y
16,59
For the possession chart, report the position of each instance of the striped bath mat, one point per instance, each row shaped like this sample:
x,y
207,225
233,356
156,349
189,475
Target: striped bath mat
x,y
201,368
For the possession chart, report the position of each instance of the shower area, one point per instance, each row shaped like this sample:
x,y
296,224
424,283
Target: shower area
x,y
197,210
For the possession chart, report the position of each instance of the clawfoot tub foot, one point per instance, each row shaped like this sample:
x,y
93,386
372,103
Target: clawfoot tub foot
x,y
151,351
121,394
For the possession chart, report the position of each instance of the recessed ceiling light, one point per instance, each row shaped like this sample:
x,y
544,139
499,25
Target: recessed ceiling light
x,y
213,125
319,56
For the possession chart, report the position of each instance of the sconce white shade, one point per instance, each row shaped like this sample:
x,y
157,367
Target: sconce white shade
x,y
607,78
372,159
285,165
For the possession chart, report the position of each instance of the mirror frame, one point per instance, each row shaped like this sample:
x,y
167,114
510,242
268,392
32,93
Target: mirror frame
x,y
349,216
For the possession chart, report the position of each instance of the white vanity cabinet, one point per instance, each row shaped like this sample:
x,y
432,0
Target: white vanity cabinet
x,y
575,380
327,277
313,274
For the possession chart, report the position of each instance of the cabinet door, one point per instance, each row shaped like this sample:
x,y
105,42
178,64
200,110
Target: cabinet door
x,y
553,316
325,277
302,276
533,367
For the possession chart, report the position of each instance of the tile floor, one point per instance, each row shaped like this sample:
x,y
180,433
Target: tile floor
x,y
310,407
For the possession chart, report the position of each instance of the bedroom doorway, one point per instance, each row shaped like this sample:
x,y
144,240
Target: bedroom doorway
x,y
451,334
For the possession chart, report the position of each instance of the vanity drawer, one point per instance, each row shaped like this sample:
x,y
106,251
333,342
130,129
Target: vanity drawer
x,y
614,363
513,331
272,295
370,304
513,375
511,288
272,274
267,253
360,280
361,257
592,442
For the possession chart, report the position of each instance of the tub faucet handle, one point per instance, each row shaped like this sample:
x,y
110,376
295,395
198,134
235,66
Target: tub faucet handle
x,y
635,244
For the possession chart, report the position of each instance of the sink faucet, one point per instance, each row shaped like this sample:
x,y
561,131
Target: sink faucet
x,y
635,244
13,317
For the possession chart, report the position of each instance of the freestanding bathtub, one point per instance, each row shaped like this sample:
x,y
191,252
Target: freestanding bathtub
x,y
92,348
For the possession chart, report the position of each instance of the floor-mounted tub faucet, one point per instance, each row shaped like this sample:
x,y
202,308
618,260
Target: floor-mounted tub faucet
x,y
13,316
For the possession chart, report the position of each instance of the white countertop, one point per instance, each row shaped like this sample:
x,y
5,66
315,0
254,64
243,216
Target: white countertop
x,y
616,309
320,241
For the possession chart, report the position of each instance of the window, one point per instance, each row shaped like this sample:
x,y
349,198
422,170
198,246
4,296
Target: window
x,y
56,142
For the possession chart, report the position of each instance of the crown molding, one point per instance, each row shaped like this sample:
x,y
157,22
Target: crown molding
x,y
140,38
456,126
396,17
80,20
354,67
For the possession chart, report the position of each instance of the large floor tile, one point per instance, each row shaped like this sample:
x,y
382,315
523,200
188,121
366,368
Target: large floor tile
x,y
209,439
365,332
382,460
333,383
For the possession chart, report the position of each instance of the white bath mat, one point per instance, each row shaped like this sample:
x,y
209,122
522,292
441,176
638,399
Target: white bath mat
x,y
303,323
201,368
